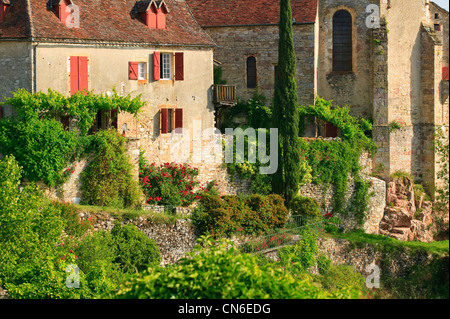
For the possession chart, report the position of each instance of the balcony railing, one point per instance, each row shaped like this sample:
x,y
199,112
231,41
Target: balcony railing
x,y
225,94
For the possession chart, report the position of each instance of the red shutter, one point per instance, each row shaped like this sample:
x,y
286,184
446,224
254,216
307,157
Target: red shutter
x,y
156,76
445,73
133,69
73,75
83,74
163,119
178,118
179,66
151,17
161,19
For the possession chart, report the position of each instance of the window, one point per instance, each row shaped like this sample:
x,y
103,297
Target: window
x,y
436,15
251,72
79,77
104,120
437,27
62,10
137,71
165,67
170,119
154,14
342,41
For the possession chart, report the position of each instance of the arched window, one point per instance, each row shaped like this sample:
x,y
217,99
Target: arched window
x,y
251,72
342,41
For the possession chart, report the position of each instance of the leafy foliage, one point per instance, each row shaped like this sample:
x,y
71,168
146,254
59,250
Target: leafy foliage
x,y
305,206
135,251
82,106
108,179
285,115
254,214
215,271
42,147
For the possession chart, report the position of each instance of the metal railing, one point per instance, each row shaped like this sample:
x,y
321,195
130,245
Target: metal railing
x,y
288,235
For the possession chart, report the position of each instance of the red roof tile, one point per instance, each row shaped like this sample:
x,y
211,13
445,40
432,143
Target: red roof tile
x,y
106,21
248,12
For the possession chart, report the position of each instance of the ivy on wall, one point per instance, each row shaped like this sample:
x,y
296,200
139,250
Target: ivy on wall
x,y
39,141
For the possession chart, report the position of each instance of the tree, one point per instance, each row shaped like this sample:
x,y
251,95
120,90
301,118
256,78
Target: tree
x,y
285,116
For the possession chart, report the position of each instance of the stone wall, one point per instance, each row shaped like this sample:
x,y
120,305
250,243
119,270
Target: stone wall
x,y
342,251
15,70
377,201
346,88
237,43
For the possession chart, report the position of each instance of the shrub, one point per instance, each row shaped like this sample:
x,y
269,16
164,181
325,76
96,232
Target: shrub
x,y
170,184
108,179
42,147
217,272
32,263
135,251
254,214
305,206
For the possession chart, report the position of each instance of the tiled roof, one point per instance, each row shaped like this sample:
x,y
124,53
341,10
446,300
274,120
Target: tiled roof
x,y
249,12
105,21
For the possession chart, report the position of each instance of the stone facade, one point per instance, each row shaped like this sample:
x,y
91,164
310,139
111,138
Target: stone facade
x,y
396,73
237,43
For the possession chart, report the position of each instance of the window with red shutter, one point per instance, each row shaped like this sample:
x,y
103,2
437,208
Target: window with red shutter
x,y
179,66
133,70
156,66
62,10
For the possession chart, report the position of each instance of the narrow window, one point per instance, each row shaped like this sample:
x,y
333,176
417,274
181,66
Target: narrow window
x,y
251,72
275,74
342,41
170,119
165,73
437,27
436,15
141,71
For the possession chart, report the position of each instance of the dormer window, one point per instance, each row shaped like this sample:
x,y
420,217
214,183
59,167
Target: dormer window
x,y
61,9
153,14
4,6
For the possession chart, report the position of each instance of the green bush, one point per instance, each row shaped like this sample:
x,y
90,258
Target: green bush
x,y
336,277
32,261
217,272
135,251
254,214
305,206
108,179
42,147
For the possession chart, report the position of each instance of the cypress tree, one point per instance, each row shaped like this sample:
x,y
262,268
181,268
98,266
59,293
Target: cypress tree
x,y
285,116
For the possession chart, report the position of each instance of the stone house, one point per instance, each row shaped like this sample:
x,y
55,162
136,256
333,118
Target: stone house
x,y
385,59
153,48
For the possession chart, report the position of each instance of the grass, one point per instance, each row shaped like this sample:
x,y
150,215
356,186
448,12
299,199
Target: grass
x,y
131,214
381,242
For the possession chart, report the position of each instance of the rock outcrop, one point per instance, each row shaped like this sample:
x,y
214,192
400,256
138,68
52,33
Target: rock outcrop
x,y
404,218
